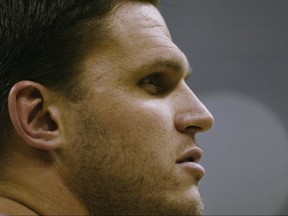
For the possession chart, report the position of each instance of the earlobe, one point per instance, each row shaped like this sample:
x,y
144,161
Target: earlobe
x,y
33,116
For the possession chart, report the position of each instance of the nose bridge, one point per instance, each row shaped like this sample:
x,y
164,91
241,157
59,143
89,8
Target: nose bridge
x,y
191,113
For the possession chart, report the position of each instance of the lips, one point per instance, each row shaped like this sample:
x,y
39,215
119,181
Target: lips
x,y
191,155
189,161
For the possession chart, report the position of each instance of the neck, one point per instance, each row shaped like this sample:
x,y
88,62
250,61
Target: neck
x,y
28,178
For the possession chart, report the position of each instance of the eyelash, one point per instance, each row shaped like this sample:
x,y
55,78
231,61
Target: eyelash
x,y
155,84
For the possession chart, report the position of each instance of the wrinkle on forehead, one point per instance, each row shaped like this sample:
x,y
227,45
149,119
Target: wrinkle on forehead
x,y
139,36
149,20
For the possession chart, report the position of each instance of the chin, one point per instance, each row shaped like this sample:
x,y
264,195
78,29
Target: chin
x,y
191,204
153,204
171,204
194,208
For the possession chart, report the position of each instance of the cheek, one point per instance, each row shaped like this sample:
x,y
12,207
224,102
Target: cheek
x,y
140,122
143,133
123,145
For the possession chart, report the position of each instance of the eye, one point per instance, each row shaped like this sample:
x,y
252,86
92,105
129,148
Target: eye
x,y
154,84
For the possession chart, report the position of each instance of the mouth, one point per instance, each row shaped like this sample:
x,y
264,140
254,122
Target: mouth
x,y
189,161
186,160
191,155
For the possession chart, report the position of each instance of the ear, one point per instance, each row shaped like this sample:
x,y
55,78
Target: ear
x,y
35,118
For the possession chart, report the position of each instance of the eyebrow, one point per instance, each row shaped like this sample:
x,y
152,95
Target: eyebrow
x,y
175,65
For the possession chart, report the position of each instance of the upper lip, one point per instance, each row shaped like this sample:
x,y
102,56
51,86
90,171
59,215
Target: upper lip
x,y
191,155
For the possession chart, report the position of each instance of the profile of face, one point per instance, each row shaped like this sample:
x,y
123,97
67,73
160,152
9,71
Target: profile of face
x,y
131,142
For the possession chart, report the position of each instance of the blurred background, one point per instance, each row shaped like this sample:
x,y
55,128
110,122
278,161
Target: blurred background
x,y
239,54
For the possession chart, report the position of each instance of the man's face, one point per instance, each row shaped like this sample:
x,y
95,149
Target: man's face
x,y
131,152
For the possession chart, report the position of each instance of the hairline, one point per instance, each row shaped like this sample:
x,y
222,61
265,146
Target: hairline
x,y
74,88
106,23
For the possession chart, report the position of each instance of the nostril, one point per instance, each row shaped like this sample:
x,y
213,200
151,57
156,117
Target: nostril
x,y
193,129
194,121
185,123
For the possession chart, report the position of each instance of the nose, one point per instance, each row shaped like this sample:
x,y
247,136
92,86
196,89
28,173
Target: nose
x,y
191,114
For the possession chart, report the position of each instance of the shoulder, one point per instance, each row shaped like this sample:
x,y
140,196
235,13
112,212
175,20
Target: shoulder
x,y
11,207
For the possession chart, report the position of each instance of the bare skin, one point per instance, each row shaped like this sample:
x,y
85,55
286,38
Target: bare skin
x,y
32,186
127,148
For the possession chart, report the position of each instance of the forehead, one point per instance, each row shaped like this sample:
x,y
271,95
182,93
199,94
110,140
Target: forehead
x,y
142,17
138,37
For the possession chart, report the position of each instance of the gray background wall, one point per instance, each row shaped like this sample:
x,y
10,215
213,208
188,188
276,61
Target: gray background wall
x,y
239,53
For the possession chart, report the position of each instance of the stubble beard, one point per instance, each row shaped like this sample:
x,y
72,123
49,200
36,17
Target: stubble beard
x,y
130,194
135,202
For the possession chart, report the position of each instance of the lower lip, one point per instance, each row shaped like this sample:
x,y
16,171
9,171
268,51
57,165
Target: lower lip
x,y
194,168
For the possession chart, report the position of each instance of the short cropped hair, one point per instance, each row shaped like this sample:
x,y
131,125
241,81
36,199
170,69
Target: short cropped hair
x,y
44,41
